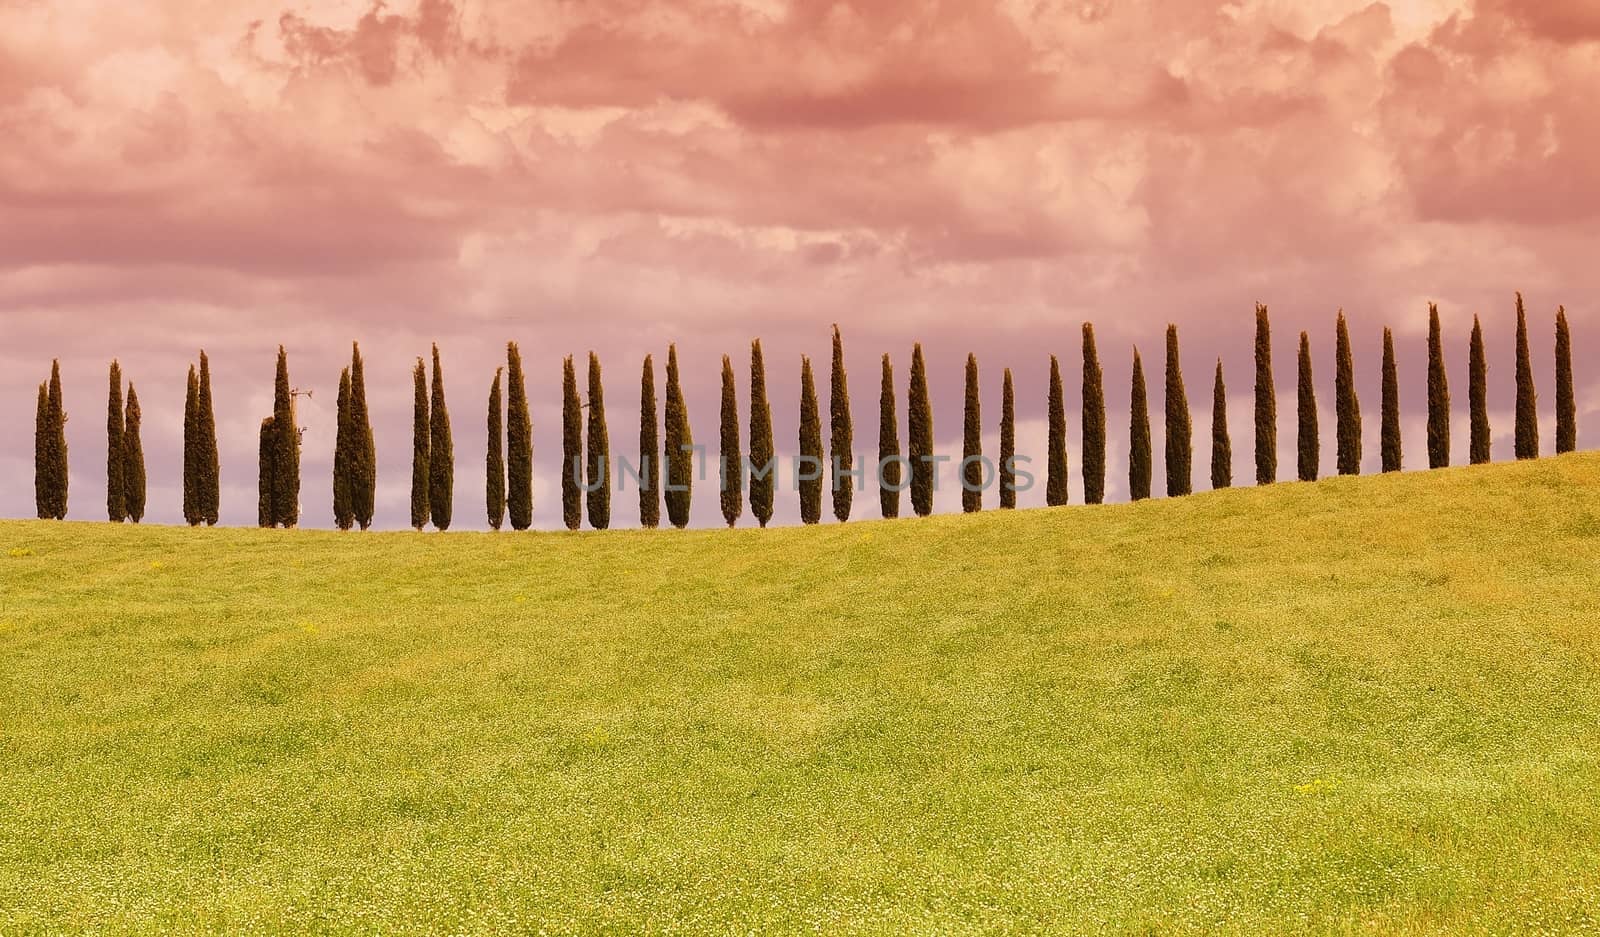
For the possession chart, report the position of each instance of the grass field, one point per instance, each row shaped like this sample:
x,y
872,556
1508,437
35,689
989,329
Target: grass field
x,y
1360,705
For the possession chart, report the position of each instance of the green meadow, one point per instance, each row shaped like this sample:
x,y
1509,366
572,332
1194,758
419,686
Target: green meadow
x,y
1360,705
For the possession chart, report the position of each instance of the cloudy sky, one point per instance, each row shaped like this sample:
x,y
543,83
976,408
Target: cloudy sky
x,y
617,175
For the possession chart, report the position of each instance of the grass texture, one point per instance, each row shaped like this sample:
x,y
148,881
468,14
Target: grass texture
x,y
1360,705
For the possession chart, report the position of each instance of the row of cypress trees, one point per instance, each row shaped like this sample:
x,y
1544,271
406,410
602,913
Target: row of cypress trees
x,y
1526,438
586,454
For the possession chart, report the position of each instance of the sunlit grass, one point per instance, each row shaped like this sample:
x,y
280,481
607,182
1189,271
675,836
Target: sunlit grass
x,y
1365,704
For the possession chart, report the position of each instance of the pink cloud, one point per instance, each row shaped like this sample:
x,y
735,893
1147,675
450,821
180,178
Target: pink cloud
x,y
621,174
1489,122
1565,21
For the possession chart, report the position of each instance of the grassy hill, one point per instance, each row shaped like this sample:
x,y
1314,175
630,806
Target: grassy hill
x,y
1363,704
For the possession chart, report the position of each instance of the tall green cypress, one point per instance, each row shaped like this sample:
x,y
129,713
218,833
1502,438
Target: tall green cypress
x,y
811,454
1478,396
1391,406
421,442
1527,399
763,460
730,452
1221,445
597,464
1139,468
1306,441
571,447
286,449
1180,433
649,444
1266,403
1094,422
43,461
1008,443
1438,395
208,465
919,435
519,443
344,514
971,443
1347,405
266,466
58,443
133,476
1566,402
1055,485
192,514
890,477
679,444
841,433
441,453
116,490
363,450
494,461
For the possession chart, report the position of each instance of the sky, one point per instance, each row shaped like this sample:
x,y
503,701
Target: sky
x,y
618,175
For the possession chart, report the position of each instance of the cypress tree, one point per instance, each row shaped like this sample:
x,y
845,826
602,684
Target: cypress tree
x,y
890,477
1527,399
192,514
730,451
1139,469
571,447
494,463
1266,403
679,463
971,443
286,449
344,515
1307,439
1008,443
919,435
1438,396
1055,486
1180,434
116,490
598,462
1566,403
208,466
421,441
266,465
649,442
58,444
441,453
763,461
363,450
841,433
1391,406
1221,445
43,461
519,443
1094,422
1347,406
810,447
133,477
1478,396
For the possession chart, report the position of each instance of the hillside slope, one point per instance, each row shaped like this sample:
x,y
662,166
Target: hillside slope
x,y
1364,703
